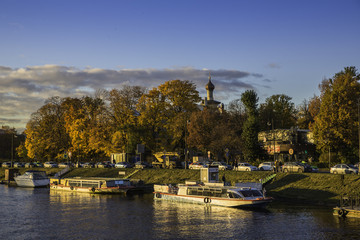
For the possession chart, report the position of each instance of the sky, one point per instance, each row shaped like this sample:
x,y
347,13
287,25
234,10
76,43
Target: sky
x,y
73,48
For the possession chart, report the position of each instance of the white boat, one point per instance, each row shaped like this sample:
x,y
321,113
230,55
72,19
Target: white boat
x,y
32,178
216,194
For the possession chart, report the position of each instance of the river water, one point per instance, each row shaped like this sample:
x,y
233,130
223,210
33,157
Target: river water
x,y
44,214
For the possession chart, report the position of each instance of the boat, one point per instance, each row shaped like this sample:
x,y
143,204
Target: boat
x,y
93,185
217,194
32,178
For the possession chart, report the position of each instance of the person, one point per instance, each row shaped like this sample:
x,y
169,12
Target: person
x,y
223,178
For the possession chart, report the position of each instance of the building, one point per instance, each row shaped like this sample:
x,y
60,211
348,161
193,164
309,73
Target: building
x,y
288,144
209,102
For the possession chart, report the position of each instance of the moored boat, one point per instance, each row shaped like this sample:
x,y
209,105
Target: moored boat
x,y
216,194
32,178
92,185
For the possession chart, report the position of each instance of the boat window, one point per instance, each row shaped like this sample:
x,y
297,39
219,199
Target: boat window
x,y
251,193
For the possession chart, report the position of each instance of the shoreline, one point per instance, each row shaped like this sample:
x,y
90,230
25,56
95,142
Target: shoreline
x,y
308,188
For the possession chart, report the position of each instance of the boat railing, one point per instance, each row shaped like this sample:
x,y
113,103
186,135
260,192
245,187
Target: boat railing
x,y
352,201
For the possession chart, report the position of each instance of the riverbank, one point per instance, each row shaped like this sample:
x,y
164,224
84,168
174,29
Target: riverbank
x,y
313,188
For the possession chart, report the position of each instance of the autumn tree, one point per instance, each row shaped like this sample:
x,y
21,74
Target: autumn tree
x,y
164,112
336,125
212,131
304,117
87,124
46,136
126,132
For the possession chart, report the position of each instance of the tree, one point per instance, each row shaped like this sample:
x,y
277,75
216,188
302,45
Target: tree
x,y
304,118
164,112
280,109
46,136
336,125
212,131
126,132
250,132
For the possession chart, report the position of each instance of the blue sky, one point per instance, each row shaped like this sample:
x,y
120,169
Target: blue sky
x,y
70,48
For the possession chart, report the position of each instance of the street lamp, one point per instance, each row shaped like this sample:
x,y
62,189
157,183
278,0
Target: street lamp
x,y
273,133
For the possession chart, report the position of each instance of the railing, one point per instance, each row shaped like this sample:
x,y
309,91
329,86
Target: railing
x,y
350,201
267,179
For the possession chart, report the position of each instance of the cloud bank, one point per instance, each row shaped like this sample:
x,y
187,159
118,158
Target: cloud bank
x,y
24,90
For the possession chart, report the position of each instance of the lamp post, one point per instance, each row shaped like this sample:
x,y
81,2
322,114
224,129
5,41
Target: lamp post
x,y
359,125
273,133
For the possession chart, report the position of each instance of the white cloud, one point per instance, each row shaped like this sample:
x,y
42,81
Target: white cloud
x,y
24,90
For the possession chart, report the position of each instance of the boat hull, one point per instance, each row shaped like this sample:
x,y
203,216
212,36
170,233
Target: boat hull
x,y
24,182
215,201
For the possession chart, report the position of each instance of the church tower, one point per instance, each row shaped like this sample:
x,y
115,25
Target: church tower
x,y
209,101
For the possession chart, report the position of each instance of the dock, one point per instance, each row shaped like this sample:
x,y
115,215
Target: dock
x,y
349,206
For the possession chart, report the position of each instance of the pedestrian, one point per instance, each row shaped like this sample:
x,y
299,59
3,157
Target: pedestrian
x,y
223,178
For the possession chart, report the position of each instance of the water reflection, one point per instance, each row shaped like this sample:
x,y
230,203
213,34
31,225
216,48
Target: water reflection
x,y
45,214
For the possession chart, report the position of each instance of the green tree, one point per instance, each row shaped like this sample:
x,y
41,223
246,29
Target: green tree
x,y
280,109
336,125
250,132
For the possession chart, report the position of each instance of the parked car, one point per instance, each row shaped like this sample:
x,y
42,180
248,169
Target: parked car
x,y
142,165
245,167
221,165
50,165
64,165
296,167
39,164
344,169
19,164
123,165
30,165
267,166
6,164
197,165
101,165
88,165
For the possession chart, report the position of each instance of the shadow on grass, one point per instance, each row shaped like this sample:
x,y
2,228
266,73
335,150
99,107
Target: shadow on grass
x,y
305,196
279,182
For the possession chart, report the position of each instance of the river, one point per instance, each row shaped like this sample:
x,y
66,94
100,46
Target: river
x,y
44,214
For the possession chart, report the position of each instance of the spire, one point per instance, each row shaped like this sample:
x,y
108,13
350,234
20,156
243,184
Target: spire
x,y
209,86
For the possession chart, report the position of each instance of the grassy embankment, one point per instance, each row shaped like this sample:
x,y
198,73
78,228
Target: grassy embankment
x,y
318,188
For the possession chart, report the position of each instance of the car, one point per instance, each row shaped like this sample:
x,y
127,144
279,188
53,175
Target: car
x,y
221,165
6,164
197,165
245,167
267,166
30,165
142,165
64,165
88,165
123,165
344,169
50,165
101,165
19,164
296,167
39,164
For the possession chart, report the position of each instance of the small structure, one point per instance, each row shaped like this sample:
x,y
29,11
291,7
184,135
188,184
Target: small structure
x,y
209,175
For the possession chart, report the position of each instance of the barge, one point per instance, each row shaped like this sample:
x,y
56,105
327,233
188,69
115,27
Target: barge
x,y
93,185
